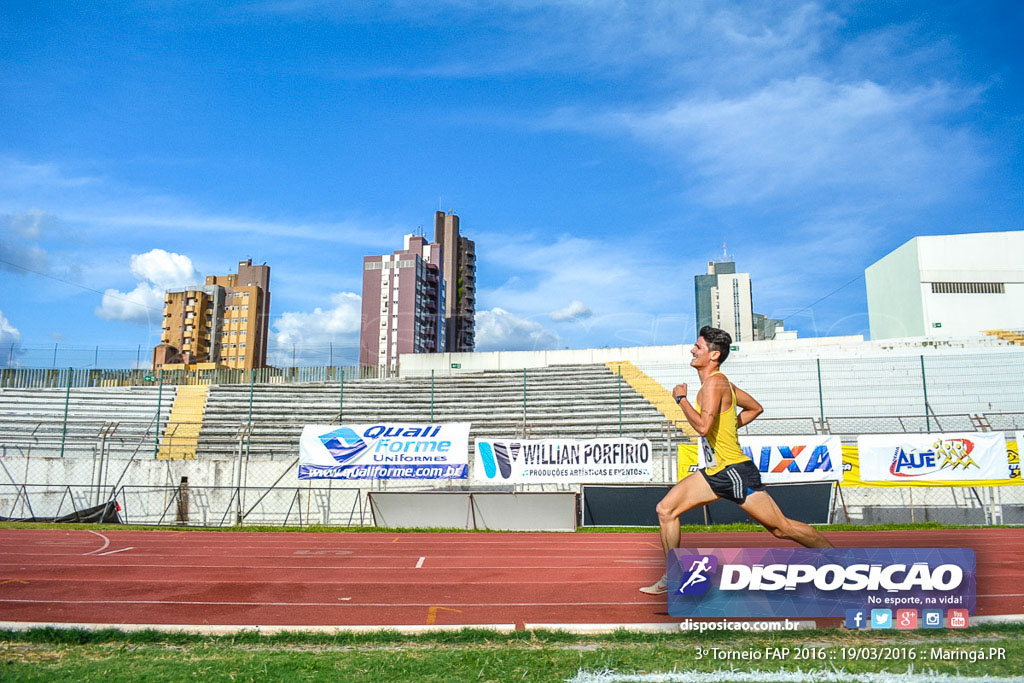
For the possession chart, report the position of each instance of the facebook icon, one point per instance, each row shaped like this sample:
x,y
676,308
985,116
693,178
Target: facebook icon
x,y
856,618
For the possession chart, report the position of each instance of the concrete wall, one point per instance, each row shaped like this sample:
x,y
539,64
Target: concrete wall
x,y
894,294
899,286
419,365
883,385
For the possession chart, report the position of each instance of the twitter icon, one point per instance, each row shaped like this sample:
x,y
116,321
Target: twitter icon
x,y
881,618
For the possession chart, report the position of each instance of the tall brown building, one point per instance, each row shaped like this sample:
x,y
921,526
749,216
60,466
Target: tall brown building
x,y
226,321
460,275
403,303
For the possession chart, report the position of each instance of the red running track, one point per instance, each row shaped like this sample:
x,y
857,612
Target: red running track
x,y
200,578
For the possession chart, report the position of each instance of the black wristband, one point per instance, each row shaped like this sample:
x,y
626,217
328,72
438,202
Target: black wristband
x,y
680,398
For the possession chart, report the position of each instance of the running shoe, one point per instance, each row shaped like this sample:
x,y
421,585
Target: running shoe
x,y
660,587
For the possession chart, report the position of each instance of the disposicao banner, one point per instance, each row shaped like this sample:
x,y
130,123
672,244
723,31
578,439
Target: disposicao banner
x,y
830,582
563,461
957,457
385,451
783,459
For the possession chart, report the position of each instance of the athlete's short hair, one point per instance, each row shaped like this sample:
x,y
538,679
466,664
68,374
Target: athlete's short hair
x,y
718,340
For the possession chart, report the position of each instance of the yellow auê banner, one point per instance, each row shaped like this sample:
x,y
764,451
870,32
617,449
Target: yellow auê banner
x,y
687,464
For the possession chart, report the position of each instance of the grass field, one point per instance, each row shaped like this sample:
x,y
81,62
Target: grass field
x,y
110,655
686,529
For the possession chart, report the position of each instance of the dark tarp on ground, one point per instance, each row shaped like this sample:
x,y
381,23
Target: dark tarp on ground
x,y
99,514
634,505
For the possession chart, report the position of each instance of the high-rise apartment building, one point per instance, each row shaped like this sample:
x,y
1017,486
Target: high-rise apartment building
x,y
403,303
225,321
723,299
460,274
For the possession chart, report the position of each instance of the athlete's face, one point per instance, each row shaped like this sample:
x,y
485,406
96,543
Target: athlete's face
x,y
701,354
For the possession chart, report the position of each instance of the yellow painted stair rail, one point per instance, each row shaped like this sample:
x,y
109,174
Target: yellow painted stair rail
x,y
1006,335
657,395
181,438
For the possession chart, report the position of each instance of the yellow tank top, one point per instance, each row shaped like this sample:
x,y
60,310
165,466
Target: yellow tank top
x,y
721,447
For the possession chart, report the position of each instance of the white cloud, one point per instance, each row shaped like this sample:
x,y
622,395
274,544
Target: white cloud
x,y
544,270
9,334
576,310
340,323
104,206
142,304
159,271
808,135
499,330
20,234
164,269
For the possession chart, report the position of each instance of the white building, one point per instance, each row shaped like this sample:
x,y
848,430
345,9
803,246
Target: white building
x,y
948,285
723,299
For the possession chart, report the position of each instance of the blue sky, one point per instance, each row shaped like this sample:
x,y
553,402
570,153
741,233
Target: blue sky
x,y
599,153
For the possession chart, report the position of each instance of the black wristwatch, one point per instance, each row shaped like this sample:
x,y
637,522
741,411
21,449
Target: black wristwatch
x,y
680,398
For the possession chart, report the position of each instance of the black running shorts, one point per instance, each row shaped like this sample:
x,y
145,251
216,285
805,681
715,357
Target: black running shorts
x,y
735,482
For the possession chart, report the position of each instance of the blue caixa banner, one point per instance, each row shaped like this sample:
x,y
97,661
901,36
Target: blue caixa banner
x,y
806,582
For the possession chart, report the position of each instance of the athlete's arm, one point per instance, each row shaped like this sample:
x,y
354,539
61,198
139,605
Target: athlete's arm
x,y
749,407
713,393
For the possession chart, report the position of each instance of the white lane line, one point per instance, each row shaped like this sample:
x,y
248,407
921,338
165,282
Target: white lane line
x,y
756,676
656,627
492,567
259,603
112,552
420,563
228,629
106,542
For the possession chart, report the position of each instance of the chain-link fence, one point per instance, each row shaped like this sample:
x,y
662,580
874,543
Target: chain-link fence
x,y
70,438
91,357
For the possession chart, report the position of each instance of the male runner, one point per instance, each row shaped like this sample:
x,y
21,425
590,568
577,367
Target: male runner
x,y
725,471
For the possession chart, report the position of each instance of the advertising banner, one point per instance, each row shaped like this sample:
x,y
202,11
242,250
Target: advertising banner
x,y
563,461
1013,455
958,457
783,459
852,479
806,582
385,451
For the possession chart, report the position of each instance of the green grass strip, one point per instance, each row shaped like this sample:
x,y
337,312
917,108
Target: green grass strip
x,y
49,654
688,529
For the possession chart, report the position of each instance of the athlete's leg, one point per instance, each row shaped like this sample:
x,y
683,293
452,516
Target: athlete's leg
x,y
691,492
686,495
762,508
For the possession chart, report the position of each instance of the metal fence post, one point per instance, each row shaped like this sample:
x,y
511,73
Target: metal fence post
x,y
924,387
252,382
620,405
524,403
821,396
67,399
159,398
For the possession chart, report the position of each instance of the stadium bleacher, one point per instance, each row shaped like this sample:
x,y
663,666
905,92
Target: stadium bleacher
x,y
971,389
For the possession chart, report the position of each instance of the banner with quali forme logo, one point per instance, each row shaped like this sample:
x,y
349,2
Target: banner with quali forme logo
x,y
811,582
385,451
